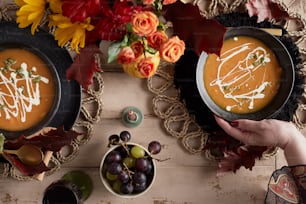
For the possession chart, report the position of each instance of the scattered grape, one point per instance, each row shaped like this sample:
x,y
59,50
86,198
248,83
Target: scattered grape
x,y
137,152
154,147
125,136
113,139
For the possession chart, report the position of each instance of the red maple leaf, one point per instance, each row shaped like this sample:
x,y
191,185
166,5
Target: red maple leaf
x,y
53,141
242,156
84,66
200,33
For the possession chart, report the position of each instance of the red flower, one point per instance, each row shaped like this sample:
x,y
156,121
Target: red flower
x,y
111,24
79,10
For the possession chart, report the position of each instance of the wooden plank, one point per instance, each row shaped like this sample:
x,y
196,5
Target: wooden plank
x,y
184,185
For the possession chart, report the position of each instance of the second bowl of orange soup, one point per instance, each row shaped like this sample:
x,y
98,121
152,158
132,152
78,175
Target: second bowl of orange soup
x,y
252,78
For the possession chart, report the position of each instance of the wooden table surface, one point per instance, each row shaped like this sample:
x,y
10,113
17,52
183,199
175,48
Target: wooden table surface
x,y
184,179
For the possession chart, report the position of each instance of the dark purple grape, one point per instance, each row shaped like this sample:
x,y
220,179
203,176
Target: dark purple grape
x,y
140,187
141,164
127,188
123,177
125,136
124,151
149,170
113,139
139,178
113,156
154,147
114,168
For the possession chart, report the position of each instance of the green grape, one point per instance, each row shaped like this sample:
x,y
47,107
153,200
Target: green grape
x,y
129,162
117,186
137,152
111,177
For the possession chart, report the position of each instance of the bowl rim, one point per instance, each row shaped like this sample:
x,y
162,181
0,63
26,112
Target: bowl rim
x,y
107,185
264,112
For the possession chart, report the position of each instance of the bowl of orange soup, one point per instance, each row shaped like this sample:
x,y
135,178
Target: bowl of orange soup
x,y
29,90
252,78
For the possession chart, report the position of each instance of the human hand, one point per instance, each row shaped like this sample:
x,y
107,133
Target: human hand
x,y
268,132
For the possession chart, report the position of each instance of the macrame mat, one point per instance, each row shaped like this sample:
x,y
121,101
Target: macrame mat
x,y
183,119
87,118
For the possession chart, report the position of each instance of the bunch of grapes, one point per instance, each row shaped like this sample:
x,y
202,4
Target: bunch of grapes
x,y
129,168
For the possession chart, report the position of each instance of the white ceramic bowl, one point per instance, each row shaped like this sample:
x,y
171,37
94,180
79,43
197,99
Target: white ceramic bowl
x,y
108,185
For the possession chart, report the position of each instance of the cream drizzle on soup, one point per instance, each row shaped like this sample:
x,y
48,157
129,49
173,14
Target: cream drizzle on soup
x,y
26,89
245,77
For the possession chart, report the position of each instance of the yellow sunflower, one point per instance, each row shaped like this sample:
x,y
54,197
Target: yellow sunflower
x,y
67,31
55,6
30,12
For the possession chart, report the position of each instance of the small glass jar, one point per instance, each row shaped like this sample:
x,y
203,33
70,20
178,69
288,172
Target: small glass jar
x,y
73,188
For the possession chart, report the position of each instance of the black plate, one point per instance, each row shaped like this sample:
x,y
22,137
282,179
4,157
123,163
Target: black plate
x,y
44,44
287,78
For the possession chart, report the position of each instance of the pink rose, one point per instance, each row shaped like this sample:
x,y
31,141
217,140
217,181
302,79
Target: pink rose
x,y
172,50
166,2
126,55
156,39
144,23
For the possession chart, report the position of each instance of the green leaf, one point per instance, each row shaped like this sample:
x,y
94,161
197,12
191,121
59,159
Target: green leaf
x,y
113,51
129,27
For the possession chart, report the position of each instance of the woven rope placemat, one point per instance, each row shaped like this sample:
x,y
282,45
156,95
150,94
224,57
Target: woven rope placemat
x,y
84,123
169,107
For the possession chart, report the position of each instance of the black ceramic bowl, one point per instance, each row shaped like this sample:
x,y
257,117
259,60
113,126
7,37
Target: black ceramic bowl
x,y
286,84
67,103
45,121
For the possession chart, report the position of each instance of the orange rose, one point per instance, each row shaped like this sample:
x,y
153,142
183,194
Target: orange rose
x,y
146,67
143,67
137,48
166,2
172,50
126,55
148,2
156,39
144,23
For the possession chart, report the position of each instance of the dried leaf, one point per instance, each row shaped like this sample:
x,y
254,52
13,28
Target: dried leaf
x,y
84,66
242,156
53,140
198,32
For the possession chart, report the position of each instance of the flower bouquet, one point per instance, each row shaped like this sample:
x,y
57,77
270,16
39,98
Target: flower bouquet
x,y
136,28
